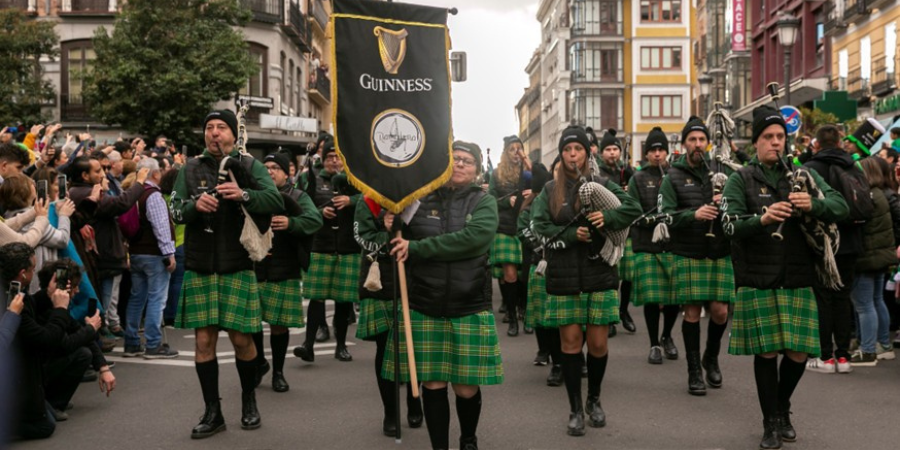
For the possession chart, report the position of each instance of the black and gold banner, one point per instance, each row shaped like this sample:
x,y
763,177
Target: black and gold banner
x,y
391,98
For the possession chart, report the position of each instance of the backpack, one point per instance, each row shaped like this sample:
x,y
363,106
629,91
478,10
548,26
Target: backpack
x,y
852,184
130,222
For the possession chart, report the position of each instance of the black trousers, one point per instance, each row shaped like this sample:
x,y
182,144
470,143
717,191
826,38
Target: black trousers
x,y
63,375
836,312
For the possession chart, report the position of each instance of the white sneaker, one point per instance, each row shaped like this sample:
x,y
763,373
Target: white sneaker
x,y
843,365
885,352
817,365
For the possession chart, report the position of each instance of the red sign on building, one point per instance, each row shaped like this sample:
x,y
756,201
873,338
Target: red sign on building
x,y
738,38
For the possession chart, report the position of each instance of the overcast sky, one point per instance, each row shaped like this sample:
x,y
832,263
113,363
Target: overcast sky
x,y
499,37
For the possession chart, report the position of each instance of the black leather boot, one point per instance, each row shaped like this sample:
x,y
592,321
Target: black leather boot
x,y
711,365
785,427
555,377
389,425
262,371
305,351
596,416
576,416
279,384
513,329
627,321
250,419
695,374
323,334
414,414
211,423
509,293
470,443
771,439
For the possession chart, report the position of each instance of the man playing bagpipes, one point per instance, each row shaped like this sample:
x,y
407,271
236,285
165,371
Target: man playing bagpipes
x,y
220,289
702,270
582,220
775,308
653,260
280,274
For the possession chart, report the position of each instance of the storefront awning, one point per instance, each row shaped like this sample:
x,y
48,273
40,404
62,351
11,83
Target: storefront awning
x,y
802,91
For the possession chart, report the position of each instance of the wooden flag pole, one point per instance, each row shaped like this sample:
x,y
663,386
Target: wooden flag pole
x,y
404,304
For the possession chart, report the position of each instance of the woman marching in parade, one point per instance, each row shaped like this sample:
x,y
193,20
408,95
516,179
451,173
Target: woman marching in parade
x,y
652,261
775,308
279,275
511,185
447,243
376,314
334,266
581,287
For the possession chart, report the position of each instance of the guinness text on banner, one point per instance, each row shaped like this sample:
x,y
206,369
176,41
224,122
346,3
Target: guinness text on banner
x,y
391,92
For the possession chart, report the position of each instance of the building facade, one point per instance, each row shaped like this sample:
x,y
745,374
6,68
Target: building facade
x,y
528,110
553,16
285,37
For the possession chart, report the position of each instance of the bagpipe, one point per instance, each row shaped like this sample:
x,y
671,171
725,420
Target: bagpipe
x,y
722,129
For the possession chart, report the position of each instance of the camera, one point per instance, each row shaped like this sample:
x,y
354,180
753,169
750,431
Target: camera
x,y
15,288
42,190
63,186
12,130
62,278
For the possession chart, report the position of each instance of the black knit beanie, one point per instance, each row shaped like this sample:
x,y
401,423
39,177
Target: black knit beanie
x,y
609,138
281,159
574,134
694,124
472,149
763,117
328,147
656,140
225,116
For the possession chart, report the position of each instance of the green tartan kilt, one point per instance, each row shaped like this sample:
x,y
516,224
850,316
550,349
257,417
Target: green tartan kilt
x,y
462,350
702,280
506,249
333,277
229,301
774,320
627,263
652,279
537,298
374,318
588,308
282,303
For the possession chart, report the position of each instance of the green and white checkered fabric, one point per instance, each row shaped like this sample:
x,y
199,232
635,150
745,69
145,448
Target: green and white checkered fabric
x,y
506,249
228,301
652,282
774,320
374,318
627,263
537,298
333,277
282,303
595,308
701,280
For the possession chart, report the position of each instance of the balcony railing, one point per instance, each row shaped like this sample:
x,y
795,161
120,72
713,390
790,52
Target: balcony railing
x,y
855,10
297,28
88,7
597,76
858,88
883,82
597,29
28,5
268,11
320,88
837,84
319,14
73,109
534,126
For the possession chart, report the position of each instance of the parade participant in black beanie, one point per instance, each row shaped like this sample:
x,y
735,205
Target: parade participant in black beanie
x,y
701,270
220,289
653,261
280,274
581,291
774,308
511,186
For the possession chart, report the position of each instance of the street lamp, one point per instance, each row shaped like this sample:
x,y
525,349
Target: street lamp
x,y
673,142
788,26
705,84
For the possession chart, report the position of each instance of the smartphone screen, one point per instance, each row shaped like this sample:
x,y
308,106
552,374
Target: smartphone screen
x,y
92,307
14,288
42,189
62,278
63,186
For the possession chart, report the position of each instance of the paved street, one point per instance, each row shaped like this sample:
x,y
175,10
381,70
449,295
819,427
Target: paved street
x,y
335,405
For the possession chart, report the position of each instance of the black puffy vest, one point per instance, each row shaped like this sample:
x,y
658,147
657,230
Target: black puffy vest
x,y
446,288
569,271
507,216
691,241
336,235
221,251
761,262
285,259
647,181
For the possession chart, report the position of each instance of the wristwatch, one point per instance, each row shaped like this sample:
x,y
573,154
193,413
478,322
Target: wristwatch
x,y
245,196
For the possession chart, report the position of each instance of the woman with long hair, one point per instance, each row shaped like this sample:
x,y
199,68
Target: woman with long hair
x,y
582,291
510,185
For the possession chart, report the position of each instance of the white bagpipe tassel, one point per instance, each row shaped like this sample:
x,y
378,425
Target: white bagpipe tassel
x,y
661,233
541,268
373,278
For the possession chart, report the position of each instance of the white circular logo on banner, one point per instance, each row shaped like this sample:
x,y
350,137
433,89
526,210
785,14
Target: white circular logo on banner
x,y
397,138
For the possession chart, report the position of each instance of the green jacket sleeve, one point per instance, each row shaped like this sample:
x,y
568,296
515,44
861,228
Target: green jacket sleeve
x,y
669,205
621,217
473,240
734,204
832,208
183,208
266,199
542,222
366,230
309,221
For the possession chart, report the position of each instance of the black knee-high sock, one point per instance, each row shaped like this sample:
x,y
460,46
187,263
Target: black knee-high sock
x,y
260,349
208,373
279,344
714,333
315,317
691,332
540,333
522,285
510,294
788,378
555,345
651,317
596,371
340,322
469,411
385,386
247,374
571,367
766,372
625,298
437,416
670,315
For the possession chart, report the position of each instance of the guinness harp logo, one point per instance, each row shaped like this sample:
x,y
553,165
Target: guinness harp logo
x,y
392,46
763,190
